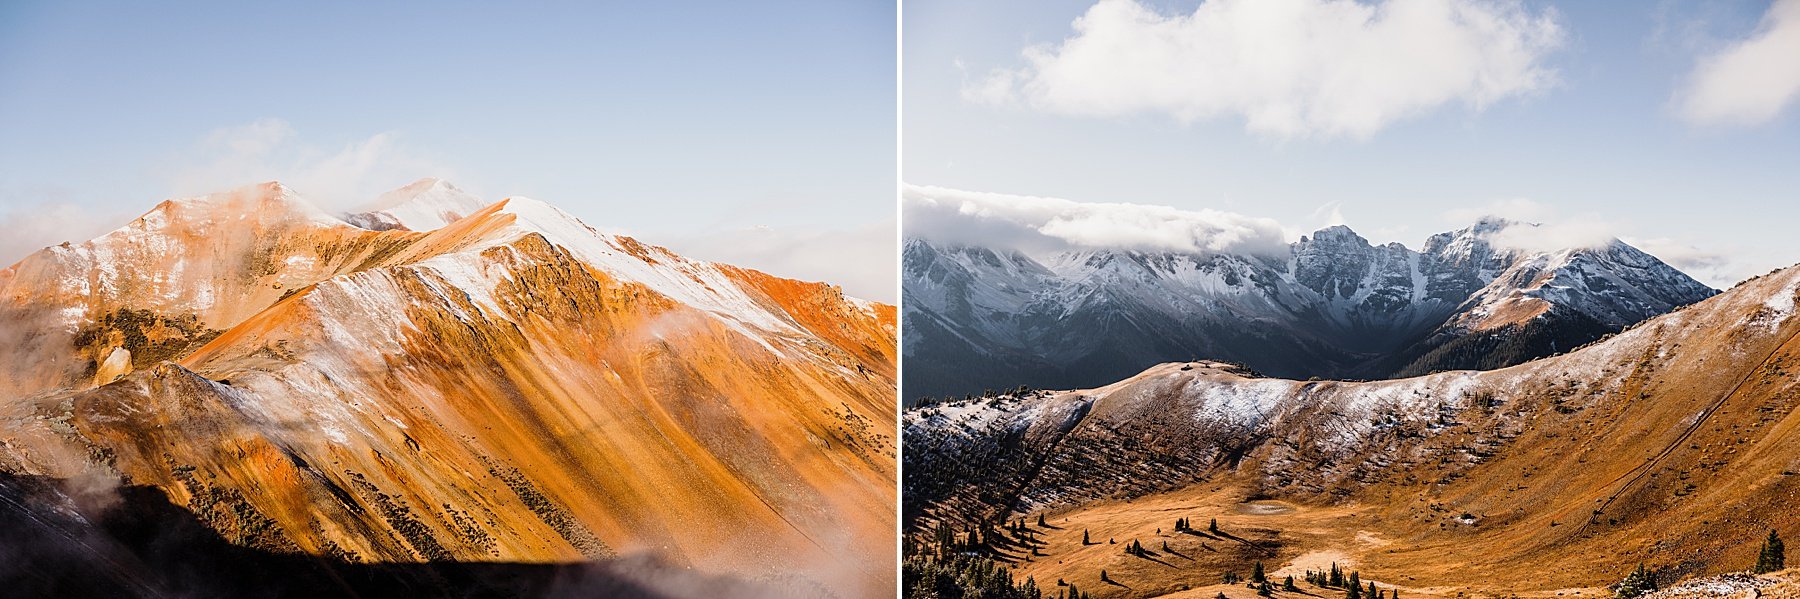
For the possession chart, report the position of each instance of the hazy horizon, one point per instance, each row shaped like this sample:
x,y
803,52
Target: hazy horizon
x,y
757,135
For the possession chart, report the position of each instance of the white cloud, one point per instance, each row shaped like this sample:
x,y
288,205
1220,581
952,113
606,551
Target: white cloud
x,y
1040,225
1331,212
859,259
1749,81
25,229
337,178
1712,268
1539,227
1289,68
1550,237
1521,209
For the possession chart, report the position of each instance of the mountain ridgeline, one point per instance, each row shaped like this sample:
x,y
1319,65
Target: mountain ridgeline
x,y
1333,307
444,380
1673,444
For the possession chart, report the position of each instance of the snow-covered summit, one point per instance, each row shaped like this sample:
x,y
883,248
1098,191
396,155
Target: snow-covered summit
x,y
424,205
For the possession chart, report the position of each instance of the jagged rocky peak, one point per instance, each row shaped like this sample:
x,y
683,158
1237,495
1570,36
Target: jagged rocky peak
x,y
1335,306
1334,261
1335,236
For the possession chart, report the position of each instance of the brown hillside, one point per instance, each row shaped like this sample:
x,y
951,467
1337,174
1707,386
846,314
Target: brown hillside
x,y
1673,444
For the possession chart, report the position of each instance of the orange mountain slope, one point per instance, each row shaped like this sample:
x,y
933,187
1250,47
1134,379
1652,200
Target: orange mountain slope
x,y
513,386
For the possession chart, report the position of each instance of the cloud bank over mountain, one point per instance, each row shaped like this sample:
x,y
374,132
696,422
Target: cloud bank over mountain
x,y
1041,224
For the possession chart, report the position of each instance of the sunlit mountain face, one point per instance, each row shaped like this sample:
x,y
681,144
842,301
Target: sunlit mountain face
x,y
442,393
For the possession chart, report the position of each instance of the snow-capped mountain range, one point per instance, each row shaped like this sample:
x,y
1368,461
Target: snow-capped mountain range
x,y
1335,307
1672,442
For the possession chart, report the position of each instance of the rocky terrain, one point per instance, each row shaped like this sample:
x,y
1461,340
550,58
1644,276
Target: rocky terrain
x,y
1672,444
1333,307
454,381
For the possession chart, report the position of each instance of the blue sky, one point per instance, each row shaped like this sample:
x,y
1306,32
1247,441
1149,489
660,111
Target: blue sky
x,y
1605,131
760,133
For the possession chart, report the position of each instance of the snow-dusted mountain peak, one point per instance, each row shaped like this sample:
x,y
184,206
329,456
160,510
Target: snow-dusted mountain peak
x,y
1336,307
424,205
262,201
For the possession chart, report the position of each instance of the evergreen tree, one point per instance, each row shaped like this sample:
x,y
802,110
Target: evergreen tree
x,y
1041,521
1262,590
1213,527
1772,557
1354,581
1084,537
1353,592
1256,573
1636,584
1288,585
1337,576
1103,577
1373,592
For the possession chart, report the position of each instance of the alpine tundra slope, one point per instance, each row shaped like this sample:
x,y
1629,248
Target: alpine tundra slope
x,y
1675,444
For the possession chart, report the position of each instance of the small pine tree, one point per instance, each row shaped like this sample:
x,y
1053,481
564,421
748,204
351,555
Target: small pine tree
x,y
1256,573
1288,585
1041,521
1262,590
1773,555
1353,592
1373,592
1213,527
1354,581
1084,537
1337,576
1103,577
1636,584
